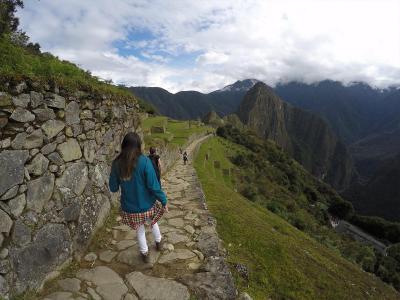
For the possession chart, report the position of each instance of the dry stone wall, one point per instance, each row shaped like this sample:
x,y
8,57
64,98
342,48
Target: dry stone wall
x,y
55,155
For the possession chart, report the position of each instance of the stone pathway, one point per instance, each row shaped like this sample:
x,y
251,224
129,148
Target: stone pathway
x,y
191,263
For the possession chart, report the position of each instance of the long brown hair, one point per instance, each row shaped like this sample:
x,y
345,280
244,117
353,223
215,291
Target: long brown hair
x,y
131,149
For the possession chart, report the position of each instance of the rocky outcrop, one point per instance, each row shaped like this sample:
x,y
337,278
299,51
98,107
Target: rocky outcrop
x,y
212,118
55,153
304,135
234,121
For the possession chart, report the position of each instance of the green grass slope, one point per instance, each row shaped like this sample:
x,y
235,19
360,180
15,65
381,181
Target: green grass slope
x,y
39,69
284,262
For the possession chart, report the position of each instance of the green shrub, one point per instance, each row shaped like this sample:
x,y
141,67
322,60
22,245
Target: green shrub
x,y
311,194
250,192
342,209
387,269
147,107
379,227
394,251
240,160
277,208
302,220
360,254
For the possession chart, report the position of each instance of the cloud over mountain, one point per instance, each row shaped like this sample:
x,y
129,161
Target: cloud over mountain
x,y
204,45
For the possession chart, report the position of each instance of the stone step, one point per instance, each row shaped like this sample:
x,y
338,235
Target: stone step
x,y
148,287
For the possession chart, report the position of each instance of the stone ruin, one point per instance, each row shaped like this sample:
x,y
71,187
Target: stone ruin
x,y
55,154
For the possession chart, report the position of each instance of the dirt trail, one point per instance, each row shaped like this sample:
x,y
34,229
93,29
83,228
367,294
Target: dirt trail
x,y
190,265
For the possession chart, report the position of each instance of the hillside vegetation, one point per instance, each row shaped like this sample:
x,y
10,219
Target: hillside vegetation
x,y
176,133
284,262
44,71
380,196
37,69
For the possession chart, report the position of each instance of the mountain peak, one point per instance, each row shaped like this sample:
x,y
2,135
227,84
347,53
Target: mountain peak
x,y
239,86
270,117
262,85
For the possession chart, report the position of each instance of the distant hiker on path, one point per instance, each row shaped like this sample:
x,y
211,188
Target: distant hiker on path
x,y
185,158
180,151
134,173
155,159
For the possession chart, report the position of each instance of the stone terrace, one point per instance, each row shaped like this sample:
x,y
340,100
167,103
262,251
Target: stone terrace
x,y
191,263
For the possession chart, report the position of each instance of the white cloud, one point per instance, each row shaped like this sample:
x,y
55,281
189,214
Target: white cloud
x,y
212,58
274,40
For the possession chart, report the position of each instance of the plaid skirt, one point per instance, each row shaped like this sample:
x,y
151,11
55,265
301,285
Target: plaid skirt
x,y
134,220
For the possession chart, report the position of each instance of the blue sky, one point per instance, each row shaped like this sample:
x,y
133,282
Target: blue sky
x,y
205,45
144,45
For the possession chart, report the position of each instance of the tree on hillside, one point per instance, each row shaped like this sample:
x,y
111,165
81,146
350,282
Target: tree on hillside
x,y
341,209
9,25
394,251
20,38
8,21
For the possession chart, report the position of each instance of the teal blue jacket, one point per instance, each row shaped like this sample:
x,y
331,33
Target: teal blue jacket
x,y
139,193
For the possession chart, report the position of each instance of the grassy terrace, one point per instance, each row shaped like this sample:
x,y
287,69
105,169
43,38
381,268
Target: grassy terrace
x,y
17,63
177,132
284,262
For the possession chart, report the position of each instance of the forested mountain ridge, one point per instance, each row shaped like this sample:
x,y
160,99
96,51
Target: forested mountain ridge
x,y
365,118
192,104
304,135
379,196
353,111
350,110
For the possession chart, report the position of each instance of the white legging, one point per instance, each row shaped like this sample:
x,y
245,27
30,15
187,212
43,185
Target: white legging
x,y
141,236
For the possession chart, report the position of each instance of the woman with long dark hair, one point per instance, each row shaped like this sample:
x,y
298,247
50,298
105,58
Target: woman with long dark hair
x,y
142,199
155,159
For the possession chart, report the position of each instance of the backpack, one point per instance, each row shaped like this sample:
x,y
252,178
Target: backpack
x,y
154,160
